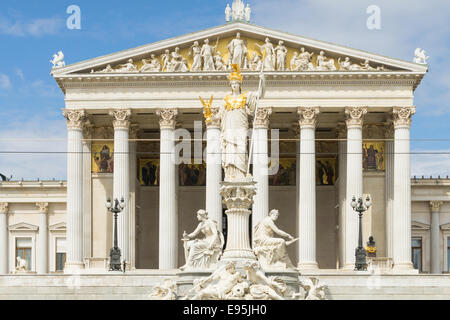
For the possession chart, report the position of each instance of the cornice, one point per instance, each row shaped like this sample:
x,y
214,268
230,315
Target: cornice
x,y
214,79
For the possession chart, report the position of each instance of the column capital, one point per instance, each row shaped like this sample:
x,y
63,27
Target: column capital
x,y
355,116
121,118
435,206
402,116
262,118
42,207
167,118
215,121
75,118
4,207
308,116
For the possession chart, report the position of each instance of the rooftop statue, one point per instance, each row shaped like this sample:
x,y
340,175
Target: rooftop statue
x,y
420,56
238,9
58,60
228,13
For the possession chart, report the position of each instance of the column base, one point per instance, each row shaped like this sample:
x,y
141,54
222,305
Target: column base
x,y
348,267
404,268
73,267
304,266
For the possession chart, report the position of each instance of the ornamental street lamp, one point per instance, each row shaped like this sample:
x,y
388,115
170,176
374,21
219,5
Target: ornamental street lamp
x,y
114,253
360,252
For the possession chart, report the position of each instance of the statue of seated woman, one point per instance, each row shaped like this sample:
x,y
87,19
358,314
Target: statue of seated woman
x,y
203,253
271,251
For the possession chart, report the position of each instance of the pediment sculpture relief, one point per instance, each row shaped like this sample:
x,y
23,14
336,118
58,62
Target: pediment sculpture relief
x,y
249,54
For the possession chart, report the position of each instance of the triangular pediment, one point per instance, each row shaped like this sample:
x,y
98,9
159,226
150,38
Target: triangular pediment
x,y
416,225
58,227
337,58
22,226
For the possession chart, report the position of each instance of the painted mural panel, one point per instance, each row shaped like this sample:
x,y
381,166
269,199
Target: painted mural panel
x,y
149,172
374,156
102,157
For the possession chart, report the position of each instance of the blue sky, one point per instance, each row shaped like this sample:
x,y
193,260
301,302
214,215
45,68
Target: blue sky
x,y
32,31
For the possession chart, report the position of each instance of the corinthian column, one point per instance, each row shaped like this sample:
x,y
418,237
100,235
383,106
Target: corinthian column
x,y
42,239
402,189
168,211
121,123
307,197
4,267
355,116
341,131
261,166
435,208
389,182
213,171
74,214
134,128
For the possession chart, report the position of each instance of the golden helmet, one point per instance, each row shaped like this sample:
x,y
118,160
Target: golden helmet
x,y
235,74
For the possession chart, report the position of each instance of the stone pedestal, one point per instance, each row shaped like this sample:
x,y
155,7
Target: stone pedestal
x,y
238,197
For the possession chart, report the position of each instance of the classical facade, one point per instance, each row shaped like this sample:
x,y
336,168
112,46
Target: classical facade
x,y
334,123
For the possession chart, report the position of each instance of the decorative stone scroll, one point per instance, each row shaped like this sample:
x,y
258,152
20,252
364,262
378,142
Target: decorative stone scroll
x,y
355,116
402,116
308,116
263,118
167,118
121,118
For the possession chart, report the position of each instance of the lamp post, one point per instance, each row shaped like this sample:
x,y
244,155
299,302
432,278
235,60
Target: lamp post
x,y
360,252
114,253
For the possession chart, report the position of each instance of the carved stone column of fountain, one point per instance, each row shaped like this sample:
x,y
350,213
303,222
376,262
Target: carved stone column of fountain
x,y
238,197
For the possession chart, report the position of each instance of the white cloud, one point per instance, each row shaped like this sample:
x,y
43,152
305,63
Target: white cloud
x,y
430,163
44,26
42,145
20,74
35,27
5,83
